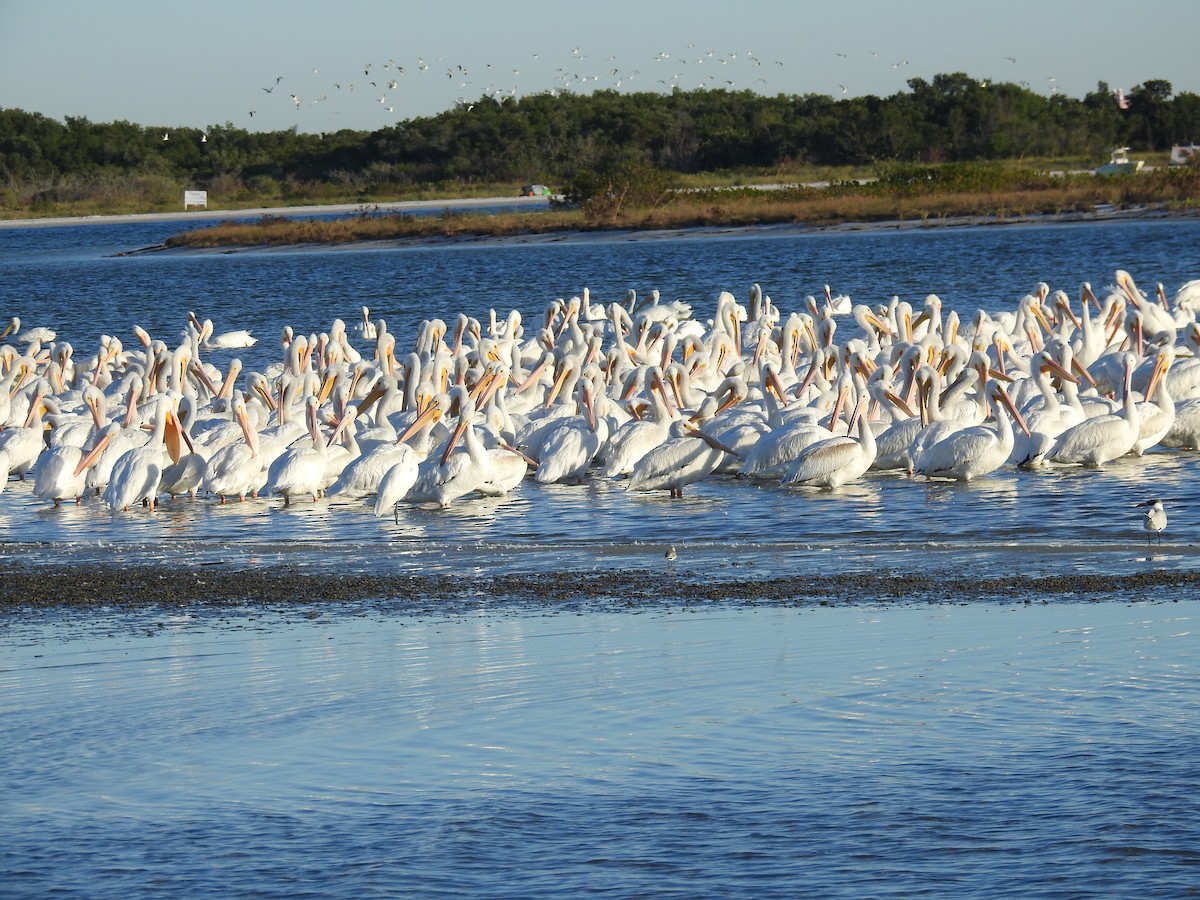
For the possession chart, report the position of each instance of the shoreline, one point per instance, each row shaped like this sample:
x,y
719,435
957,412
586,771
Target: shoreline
x,y
632,235
125,589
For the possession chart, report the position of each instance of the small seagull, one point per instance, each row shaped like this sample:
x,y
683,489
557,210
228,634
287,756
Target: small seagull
x,y
671,555
1154,520
166,135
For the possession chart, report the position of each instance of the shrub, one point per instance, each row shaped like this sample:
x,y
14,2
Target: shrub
x,y
609,193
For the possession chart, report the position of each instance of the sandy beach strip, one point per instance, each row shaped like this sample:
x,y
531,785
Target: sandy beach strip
x,y
192,215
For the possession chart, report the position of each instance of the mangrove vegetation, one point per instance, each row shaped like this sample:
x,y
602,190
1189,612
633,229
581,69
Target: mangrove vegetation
x,y
591,147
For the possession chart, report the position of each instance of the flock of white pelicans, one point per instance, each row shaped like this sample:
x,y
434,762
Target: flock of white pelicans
x,y
643,392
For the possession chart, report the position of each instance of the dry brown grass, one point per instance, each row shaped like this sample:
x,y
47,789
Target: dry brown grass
x,y
737,208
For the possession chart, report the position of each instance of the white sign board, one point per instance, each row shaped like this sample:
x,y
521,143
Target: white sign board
x,y
195,198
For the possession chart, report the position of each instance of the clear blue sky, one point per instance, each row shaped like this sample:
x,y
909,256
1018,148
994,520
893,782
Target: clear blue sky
x,y
169,63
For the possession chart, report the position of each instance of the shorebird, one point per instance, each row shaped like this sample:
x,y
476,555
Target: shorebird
x,y
1154,519
671,555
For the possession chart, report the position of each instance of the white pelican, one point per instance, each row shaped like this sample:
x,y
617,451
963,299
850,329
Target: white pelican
x,y
455,471
952,410
840,305
39,334
183,476
793,429
81,430
636,438
1049,416
509,466
229,340
342,447
1157,322
685,458
1103,438
1185,430
362,476
977,449
1187,298
570,447
234,469
24,444
61,472
299,471
837,460
135,476
366,328
100,471
1156,413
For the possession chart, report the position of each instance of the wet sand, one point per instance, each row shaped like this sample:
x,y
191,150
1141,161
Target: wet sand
x,y
154,587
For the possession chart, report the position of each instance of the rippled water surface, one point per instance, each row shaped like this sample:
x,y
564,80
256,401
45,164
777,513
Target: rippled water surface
x,y
1014,749
984,751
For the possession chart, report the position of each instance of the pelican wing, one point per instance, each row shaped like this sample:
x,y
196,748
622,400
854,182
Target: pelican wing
x,y
965,454
567,453
665,465
828,462
778,449
1095,441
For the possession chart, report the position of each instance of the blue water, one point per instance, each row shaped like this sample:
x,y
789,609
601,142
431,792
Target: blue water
x,y
987,750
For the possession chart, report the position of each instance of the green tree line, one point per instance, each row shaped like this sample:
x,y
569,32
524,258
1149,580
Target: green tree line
x,y
550,139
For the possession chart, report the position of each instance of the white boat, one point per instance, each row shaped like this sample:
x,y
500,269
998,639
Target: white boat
x,y
1119,163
